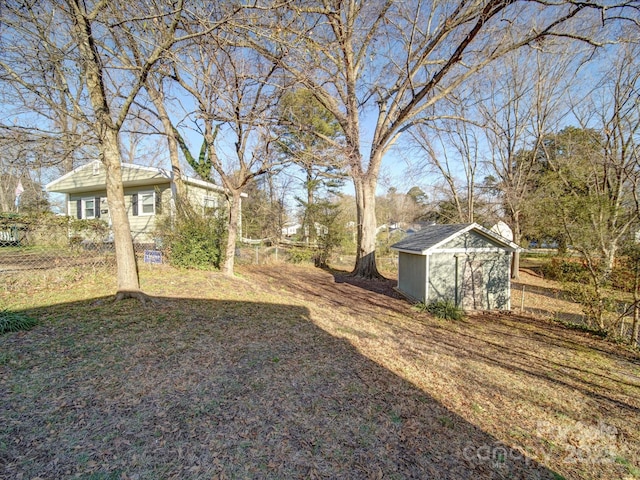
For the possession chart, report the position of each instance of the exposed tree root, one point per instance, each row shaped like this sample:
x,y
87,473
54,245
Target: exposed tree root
x,y
136,294
368,275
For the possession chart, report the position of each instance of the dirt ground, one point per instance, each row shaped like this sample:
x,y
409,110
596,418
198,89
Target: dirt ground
x,y
295,372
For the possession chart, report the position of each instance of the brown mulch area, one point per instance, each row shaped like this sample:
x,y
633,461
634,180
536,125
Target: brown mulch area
x,y
294,372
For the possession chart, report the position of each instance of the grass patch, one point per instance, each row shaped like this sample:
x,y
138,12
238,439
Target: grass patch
x,y
444,309
581,327
15,322
633,470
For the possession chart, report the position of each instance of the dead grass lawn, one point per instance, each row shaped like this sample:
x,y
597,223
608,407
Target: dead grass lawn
x,y
294,372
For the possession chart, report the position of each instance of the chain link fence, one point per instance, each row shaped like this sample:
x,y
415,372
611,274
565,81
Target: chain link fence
x,y
48,250
39,250
264,255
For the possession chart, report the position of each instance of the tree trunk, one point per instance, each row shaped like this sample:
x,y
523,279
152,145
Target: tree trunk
x,y
127,270
157,97
635,329
515,259
609,258
366,267
232,232
107,133
310,218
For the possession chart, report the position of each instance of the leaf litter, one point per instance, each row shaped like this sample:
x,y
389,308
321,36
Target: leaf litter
x,y
295,372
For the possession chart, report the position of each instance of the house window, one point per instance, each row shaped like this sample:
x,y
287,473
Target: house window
x,y
88,208
210,205
147,203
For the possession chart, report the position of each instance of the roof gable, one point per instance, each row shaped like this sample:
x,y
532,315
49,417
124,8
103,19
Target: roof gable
x,y
92,176
439,237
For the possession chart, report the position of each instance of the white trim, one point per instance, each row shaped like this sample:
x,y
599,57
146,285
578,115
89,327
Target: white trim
x,y
141,212
427,279
430,251
472,250
83,207
160,171
201,183
488,234
509,282
208,198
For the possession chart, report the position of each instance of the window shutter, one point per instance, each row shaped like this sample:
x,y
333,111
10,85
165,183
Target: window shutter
x,y
134,204
97,207
78,209
158,195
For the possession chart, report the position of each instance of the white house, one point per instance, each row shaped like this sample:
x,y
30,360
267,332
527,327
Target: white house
x,y
149,192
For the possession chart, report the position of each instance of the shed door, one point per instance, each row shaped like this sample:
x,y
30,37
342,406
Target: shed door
x,y
472,285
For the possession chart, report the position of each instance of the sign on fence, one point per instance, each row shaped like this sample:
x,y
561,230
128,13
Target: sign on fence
x,y
152,256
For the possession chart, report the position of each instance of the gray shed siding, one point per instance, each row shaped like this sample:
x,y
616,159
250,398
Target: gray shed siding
x,y
469,240
442,274
412,275
451,277
472,268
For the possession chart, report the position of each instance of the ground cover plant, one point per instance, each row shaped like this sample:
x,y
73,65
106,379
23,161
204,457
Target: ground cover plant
x,y
294,372
14,322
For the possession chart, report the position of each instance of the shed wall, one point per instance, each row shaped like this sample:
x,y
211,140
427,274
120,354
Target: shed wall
x,y
412,274
450,274
469,240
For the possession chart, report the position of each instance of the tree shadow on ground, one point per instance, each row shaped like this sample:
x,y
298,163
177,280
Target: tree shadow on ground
x,y
384,286
221,389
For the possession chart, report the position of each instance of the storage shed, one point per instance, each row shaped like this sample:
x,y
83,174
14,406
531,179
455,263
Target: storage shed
x,y
464,263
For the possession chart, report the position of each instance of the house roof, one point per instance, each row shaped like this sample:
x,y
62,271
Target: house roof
x,y
430,238
81,180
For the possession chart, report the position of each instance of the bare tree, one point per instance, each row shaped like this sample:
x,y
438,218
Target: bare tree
x,y
449,147
523,99
98,77
235,94
390,61
602,169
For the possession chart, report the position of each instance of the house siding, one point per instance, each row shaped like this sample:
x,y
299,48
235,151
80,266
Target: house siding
x,y
143,227
89,181
442,272
72,200
94,174
196,196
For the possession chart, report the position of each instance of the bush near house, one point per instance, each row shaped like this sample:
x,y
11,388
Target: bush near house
x,y
194,241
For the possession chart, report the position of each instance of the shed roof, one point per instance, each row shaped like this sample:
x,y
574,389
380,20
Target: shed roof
x,y
431,237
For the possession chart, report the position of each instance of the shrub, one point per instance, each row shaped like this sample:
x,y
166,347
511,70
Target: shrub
x,y
594,303
194,241
93,230
14,322
564,270
300,255
444,309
